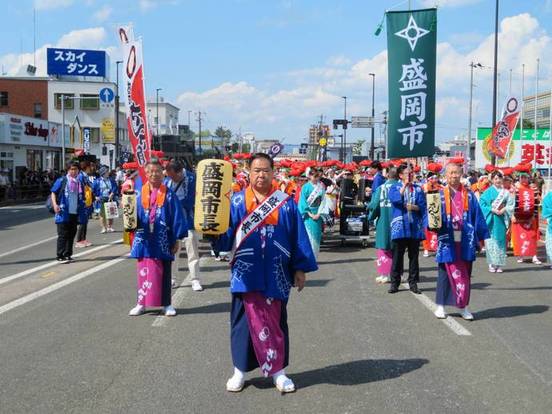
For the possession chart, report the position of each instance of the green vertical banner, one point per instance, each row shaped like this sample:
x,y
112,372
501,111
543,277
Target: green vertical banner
x,y
411,51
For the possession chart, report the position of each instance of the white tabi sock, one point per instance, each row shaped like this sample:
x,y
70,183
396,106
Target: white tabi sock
x,y
238,375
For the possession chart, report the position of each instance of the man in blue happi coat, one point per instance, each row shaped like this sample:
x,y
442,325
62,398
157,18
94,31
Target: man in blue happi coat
x,y
271,254
407,228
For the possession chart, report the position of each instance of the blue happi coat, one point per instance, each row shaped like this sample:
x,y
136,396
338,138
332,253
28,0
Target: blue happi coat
x,y
407,224
169,226
187,193
63,215
474,229
270,267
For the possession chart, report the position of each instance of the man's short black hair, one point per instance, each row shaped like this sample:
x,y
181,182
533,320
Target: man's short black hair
x,y
263,156
72,164
174,165
401,168
377,165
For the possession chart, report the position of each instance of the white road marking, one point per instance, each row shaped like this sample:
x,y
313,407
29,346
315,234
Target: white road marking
x,y
24,207
27,246
178,298
449,322
52,288
54,262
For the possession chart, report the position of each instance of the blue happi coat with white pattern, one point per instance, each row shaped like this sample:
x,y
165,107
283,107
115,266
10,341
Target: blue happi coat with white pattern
x,y
408,224
268,258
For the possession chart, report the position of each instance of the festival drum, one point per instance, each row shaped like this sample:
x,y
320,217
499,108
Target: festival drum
x,y
213,190
128,202
434,221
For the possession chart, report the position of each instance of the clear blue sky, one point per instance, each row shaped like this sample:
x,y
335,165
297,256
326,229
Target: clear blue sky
x,y
272,67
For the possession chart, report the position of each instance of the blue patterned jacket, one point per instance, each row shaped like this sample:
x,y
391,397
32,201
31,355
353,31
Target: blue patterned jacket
x,y
474,229
268,258
407,224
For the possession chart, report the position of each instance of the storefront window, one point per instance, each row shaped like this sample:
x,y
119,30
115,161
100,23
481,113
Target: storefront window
x,y
34,160
89,101
69,103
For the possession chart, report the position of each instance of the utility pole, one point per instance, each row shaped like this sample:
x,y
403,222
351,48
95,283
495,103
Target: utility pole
x,y
495,71
199,122
345,129
157,117
373,75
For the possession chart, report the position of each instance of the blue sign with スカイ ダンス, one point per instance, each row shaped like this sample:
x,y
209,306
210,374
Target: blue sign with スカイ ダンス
x,y
76,62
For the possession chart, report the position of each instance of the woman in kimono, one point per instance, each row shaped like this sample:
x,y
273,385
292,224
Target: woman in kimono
x,y
161,224
463,227
498,206
312,195
547,214
105,189
381,211
525,223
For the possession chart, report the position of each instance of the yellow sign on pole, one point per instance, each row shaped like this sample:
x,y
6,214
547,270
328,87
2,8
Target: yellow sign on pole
x,y
108,131
322,142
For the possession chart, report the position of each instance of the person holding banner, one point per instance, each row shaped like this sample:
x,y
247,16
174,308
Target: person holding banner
x,y
497,205
182,182
432,185
105,190
463,227
271,254
525,223
381,211
160,226
407,228
310,203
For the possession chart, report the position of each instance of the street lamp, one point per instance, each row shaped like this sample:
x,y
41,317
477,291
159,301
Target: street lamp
x,y
344,142
117,63
157,109
468,145
373,75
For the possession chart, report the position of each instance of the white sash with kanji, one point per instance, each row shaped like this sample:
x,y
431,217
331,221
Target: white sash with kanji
x,y
254,219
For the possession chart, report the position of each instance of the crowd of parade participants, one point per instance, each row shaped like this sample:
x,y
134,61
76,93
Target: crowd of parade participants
x,y
280,213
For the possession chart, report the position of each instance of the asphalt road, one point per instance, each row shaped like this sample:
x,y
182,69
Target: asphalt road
x,y
68,346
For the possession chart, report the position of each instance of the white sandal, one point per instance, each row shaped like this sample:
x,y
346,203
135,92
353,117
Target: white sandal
x,y
284,384
235,384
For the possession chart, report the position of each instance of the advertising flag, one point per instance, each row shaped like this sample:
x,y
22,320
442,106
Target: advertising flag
x,y
411,49
503,130
137,120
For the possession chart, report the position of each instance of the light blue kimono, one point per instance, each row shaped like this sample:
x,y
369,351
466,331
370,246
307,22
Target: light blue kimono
x,y
314,227
169,226
408,224
268,258
381,210
495,246
547,214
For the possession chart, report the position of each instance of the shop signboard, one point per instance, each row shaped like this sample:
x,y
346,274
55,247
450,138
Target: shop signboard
x,y
24,130
76,62
530,147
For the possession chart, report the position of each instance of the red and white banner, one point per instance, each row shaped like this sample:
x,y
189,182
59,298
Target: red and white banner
x,y
504,129
137,120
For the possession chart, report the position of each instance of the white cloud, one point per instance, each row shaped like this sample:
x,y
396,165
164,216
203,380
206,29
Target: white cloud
x,y
52,4
146,5
92,38
448,3
312,91
103,14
